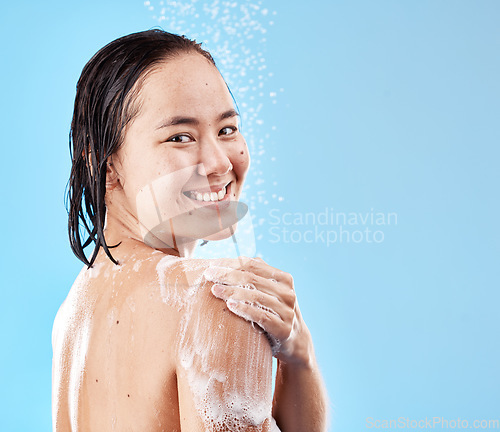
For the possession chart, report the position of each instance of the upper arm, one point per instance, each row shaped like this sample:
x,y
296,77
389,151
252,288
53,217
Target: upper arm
x,y
224,368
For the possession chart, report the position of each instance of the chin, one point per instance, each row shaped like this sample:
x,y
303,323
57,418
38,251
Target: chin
x,y
221,235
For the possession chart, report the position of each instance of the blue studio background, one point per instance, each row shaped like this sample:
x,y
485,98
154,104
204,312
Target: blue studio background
x,y
373,127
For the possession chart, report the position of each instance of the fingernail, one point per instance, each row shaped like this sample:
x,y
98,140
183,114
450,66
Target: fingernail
x,y
209,273
231,304
214,274
217,290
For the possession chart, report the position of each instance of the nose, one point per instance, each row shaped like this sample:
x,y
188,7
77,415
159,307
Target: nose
x,y
213,158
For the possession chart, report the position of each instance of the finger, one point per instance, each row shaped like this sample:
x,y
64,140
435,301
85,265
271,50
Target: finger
x,y
255,297
258,266
226,276
269,321
218,274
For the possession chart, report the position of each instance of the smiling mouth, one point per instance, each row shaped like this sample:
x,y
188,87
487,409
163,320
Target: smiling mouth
x,y
213,196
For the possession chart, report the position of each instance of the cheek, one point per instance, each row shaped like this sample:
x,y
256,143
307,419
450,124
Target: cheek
x,y
240,158
164,174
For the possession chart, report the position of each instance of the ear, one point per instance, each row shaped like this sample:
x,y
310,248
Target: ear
x,y
112,177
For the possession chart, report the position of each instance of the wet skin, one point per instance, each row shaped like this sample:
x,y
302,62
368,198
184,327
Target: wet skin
x,y
116,341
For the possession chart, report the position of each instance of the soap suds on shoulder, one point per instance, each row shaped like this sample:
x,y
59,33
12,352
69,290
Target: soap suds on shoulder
x,y
220,400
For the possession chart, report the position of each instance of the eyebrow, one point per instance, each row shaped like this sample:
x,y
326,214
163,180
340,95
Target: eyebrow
x,y
192,120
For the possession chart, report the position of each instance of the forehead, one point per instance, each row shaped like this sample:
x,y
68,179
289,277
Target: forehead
x,y
187,84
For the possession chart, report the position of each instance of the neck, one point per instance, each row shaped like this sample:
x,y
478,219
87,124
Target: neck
x,y
124,230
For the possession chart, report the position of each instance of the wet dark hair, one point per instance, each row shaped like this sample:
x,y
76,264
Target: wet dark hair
x,y
105,103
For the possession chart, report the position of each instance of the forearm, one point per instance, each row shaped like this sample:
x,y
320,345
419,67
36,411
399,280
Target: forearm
x,y
300,400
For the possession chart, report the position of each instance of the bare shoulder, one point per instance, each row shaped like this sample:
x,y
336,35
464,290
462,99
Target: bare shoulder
x,y
114,342
224,365
150,331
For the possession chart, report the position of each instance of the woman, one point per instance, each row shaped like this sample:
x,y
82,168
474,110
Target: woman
x,y
148,338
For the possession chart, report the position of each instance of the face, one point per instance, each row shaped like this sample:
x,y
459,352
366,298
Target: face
x,y
180,170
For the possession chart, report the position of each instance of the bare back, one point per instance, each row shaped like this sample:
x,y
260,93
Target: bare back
x,y
144,347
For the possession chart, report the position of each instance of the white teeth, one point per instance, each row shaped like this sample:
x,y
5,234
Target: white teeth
x,y
212,196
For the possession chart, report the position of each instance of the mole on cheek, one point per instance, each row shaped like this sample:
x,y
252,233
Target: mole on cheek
x,y
242,152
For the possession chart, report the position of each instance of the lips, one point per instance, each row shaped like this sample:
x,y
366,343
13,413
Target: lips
x,y
212,188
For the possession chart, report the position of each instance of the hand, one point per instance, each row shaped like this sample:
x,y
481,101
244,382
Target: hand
x,y
264,295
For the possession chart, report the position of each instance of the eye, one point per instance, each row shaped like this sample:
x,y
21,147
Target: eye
x,y
228,130
181,138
